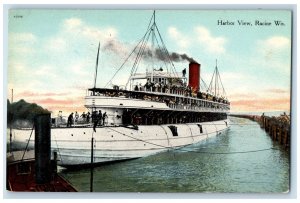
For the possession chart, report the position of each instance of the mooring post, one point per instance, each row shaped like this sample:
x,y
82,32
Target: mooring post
x,y
285,138
92,167
280,134
42,148
274,132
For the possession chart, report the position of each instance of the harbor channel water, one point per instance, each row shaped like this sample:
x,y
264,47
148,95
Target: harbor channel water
x,y
242,160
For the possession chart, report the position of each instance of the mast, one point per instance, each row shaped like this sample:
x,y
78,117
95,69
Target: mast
x,y
216,78
97,60
153,47
216,85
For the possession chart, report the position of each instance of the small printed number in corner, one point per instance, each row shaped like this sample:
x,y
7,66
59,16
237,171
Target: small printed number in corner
x,y
18,16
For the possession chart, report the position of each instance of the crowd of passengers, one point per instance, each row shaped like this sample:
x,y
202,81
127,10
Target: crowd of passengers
x,y
140,92
158,118
97,118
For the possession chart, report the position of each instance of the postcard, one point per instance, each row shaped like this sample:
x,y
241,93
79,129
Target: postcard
x,y
166,101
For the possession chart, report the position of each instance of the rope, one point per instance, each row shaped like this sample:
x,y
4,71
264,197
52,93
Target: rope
x,y
61,160
238,152
27,143
199,152
140,139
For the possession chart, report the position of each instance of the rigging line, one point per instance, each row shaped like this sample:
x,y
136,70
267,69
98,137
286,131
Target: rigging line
x,y
162,50
27,143
141,40
204,83
122,65
167,53
143,47
140,52
210,85
222,85
138,57
164,46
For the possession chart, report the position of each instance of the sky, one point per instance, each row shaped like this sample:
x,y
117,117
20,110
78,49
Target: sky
x,y
52,53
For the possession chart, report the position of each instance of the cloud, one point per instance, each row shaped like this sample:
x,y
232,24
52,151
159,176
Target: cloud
x,y
79,70
72,23
65,104
21,43
78,27
35,94
16,67
210,43
277,42
45,70
274,47
201,35
56,44
22,37
51,101
178,37
278,91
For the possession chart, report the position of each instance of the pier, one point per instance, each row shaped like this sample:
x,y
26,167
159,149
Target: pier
x,y
279,128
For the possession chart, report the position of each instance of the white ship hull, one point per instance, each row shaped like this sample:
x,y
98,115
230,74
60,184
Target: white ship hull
x,y
119,143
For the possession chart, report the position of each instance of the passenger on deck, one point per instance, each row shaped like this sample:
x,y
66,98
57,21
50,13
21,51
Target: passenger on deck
x,y
76,117
136,88
60,116
183,73
103,118
156,87
147,85
97,119
88,117
70,120
94,116
83,115
116,117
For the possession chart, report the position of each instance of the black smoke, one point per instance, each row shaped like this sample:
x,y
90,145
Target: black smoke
x,y
147,53
164,56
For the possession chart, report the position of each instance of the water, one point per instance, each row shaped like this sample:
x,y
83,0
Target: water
x,y
214,165
266,113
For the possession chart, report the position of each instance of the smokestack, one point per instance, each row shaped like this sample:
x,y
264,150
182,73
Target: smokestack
x,y
194,76
42,148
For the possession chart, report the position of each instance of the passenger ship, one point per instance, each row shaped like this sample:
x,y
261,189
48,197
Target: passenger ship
x,y
160,110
